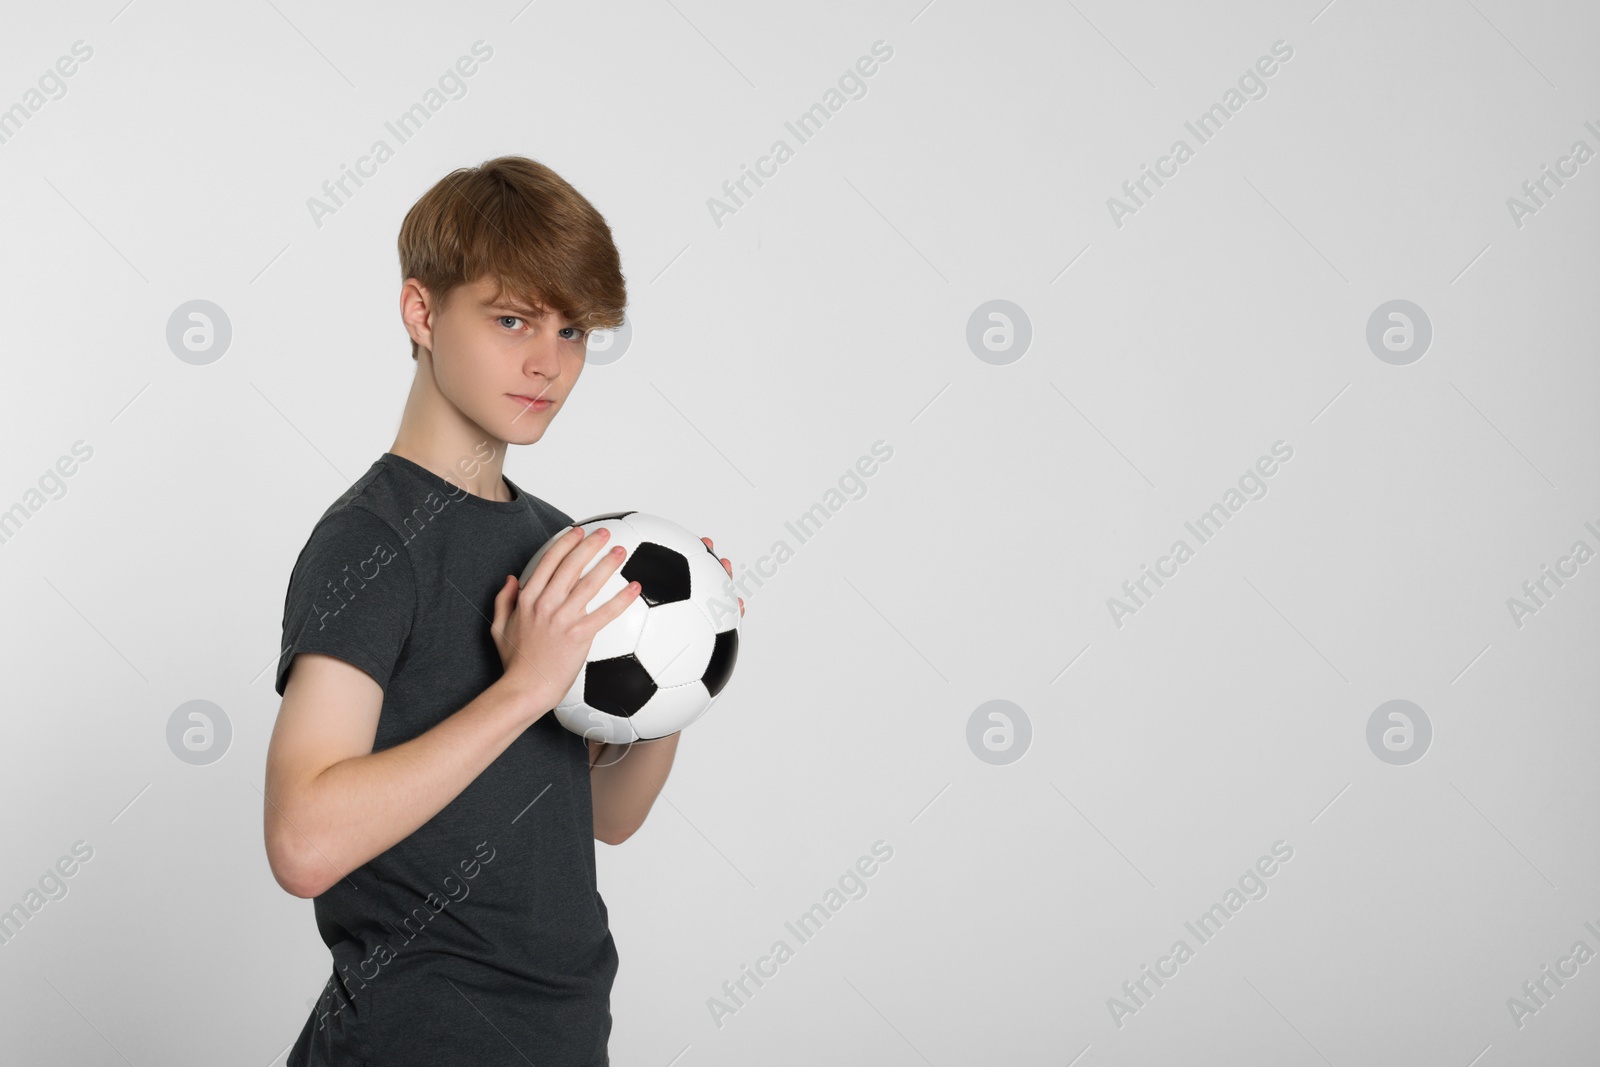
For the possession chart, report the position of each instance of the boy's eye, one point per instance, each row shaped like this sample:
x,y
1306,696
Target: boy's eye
x,y
572,333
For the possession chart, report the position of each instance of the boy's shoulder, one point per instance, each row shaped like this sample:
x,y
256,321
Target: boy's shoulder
x,y
365,513
352,591
383,491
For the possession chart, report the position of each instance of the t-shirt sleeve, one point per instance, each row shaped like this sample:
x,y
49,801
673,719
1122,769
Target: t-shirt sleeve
x,y
352,595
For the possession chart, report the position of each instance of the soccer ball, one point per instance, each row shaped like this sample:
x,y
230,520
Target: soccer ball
x,y
659,665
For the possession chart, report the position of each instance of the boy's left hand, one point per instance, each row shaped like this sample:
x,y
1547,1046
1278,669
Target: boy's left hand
x,y
727,567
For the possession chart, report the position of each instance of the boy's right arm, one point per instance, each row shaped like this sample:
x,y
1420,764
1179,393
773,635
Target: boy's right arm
x,y
333,803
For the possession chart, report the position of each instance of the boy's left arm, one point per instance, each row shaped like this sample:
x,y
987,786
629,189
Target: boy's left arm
x,y
624,780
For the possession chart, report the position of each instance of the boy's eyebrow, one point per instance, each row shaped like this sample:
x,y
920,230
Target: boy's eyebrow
x,y
507,305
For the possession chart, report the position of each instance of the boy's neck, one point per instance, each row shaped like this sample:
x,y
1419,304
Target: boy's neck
x,y
485,480
436,436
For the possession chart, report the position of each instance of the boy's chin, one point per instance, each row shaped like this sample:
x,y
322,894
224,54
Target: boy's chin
x,y
523,432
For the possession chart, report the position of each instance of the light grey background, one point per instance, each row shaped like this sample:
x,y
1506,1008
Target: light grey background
x,y
768,354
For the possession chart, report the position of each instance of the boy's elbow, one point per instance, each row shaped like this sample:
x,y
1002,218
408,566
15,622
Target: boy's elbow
x,y
289,876
303,889
308,882
291,871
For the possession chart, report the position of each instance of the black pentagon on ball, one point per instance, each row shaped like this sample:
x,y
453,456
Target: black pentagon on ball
x,y
618,686
603,518
662,573
720,669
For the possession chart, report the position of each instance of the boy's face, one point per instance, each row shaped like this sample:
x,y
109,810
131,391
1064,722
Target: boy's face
x,y
489,355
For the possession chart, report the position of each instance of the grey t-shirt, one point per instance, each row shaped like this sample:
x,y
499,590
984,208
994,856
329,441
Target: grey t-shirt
x,y
481,938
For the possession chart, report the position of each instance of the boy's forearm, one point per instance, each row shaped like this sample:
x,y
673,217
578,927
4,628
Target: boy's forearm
x,y
624,782
360,807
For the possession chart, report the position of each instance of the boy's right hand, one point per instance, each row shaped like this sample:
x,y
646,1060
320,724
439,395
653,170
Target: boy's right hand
x,y
541,629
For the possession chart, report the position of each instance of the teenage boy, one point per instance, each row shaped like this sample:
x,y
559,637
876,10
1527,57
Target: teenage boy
x,y
416,786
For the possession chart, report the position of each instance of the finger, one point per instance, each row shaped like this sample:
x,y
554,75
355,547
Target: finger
x,y
548,563
596,619
499,611
586,587
727,566
570,569
506,598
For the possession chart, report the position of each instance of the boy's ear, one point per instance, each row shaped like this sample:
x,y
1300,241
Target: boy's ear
x,y
416,312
